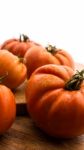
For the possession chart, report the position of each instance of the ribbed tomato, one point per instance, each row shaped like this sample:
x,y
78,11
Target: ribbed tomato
x,y
7,108
18,46
38,56
12,70
55,100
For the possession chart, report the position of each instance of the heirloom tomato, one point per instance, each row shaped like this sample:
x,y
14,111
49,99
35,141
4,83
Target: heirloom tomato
x,y
12,70
38,56
55,100
18,46
7,108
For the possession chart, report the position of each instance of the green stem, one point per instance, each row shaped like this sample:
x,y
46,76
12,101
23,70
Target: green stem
x,y
21,59
51,49
23,38
3,77
75,82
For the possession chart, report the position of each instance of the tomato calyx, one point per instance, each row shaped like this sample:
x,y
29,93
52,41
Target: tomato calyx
x,y
3,77
21,59
51,49
23,38
75,82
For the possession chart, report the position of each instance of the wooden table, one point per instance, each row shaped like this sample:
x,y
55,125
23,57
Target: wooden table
x,y
24,135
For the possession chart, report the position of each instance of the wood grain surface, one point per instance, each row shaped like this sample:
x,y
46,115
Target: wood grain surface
x,y
24,135
20,100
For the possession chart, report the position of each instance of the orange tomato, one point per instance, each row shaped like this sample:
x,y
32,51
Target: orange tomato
x,y
38,56
55,100
18,46
7,108
12,70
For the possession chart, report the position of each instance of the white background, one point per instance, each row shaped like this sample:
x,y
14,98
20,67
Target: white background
x,y
57,22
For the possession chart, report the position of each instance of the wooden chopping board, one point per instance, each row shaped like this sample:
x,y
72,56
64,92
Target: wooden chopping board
x,y
20,100
20,94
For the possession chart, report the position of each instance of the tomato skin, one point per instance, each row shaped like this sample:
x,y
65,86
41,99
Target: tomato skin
x,y
55,110
7,108
13,70
17,46
38,56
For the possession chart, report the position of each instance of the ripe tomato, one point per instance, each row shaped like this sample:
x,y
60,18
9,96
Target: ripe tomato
x,y
12,70
18,46
55,100
38,56
7,108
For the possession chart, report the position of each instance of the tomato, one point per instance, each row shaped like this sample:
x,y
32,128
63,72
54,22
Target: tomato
x,y
18,46
55,100
38,56
12,70
7,108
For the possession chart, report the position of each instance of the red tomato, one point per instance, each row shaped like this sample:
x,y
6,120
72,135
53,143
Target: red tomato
x,y
12,70
38,56
7,108
55,100
18,46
